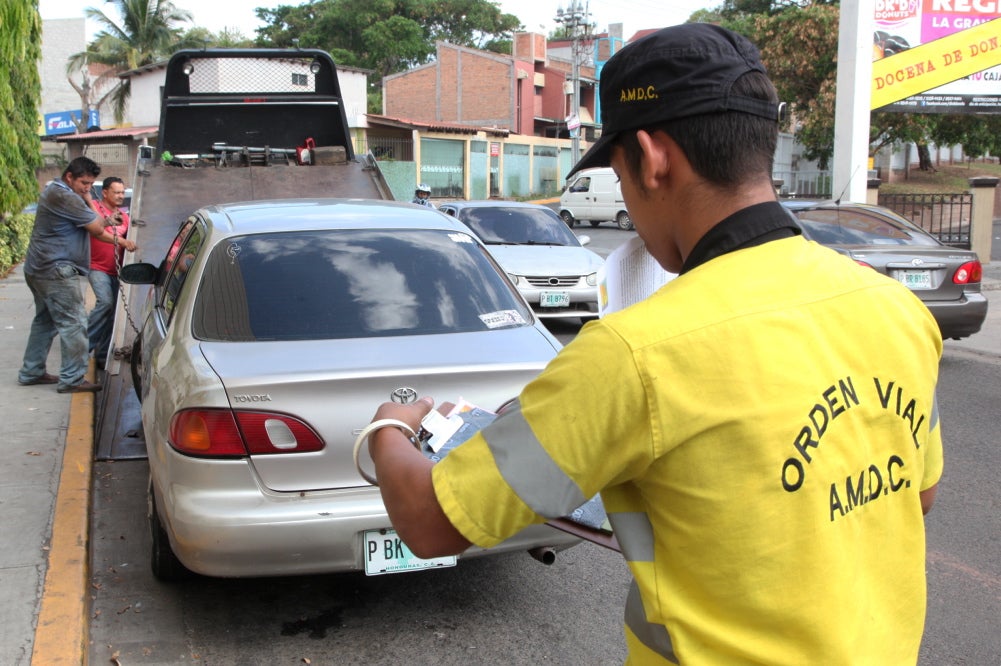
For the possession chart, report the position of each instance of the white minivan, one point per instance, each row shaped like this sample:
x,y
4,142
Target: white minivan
x,y
593,195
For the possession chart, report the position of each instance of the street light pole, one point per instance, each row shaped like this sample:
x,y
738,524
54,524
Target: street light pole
x,y
575,19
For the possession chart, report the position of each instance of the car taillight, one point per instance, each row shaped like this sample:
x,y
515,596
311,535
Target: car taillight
x,y
267,432
222,433
862,263
969,273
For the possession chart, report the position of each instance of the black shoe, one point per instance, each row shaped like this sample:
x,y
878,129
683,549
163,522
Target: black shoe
x,y
82,387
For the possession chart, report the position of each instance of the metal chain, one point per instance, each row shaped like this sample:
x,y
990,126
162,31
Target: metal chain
x,y
123,352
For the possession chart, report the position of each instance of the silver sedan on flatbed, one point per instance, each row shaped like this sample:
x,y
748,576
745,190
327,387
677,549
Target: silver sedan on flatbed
x,y
273,331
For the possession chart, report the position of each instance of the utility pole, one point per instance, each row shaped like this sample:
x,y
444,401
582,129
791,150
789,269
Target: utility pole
x,y
576,20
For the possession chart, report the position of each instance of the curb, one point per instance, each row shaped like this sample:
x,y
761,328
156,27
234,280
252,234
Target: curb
x,y
61,633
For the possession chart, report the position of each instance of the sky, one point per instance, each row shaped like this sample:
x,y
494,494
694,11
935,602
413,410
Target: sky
x,y
535,15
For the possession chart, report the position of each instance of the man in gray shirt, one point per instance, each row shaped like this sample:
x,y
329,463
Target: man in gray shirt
x,y
58,254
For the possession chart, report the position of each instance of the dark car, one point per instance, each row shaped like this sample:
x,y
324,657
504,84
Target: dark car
x,y
945,278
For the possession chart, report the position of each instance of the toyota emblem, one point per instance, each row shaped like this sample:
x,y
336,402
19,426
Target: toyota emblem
x,y
917,262
404,395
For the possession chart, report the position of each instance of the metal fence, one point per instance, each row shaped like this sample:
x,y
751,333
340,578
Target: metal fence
x,y
386,148
945,216
803,184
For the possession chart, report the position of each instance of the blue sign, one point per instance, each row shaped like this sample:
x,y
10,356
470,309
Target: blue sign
x,y
61,122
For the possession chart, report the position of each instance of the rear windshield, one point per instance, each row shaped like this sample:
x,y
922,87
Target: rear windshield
x,y
852,226
317,285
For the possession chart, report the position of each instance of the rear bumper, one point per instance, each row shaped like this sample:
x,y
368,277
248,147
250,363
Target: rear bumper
x,y
961,318
229,532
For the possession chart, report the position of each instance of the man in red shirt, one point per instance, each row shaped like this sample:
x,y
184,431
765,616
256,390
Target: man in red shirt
x,y
105,259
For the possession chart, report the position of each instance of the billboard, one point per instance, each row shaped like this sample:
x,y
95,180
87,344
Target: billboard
x,y
61,122
932,25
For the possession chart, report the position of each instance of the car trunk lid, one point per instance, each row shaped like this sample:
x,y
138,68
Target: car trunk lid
x,y
335,387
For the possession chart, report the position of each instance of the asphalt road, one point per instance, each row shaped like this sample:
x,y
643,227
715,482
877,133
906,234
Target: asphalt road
x,y
512,609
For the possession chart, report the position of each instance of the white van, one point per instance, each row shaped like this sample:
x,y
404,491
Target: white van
x,y
593,195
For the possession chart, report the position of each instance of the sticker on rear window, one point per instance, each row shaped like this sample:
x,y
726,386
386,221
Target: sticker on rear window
x,y
502,318
460,238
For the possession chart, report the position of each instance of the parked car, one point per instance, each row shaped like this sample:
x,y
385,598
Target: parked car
x,y
273,331
945,278
594,195
549,264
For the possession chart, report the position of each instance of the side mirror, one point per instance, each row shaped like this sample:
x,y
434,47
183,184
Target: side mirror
x,y
138,273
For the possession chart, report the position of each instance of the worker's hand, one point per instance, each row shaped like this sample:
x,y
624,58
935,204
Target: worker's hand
x,y
129,245
410,414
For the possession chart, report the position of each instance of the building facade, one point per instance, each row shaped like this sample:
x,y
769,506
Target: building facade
x,y
527,93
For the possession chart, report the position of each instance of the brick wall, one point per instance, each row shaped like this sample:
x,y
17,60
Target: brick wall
x,y
476,89
412,95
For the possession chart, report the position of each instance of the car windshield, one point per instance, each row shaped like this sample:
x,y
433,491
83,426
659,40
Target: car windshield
x,y
853,226
518,226
332,284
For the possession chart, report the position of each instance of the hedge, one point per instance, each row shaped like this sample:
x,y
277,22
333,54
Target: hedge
x,y
15,232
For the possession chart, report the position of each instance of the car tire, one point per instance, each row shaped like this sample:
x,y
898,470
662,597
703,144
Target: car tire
x,y
568,218
135,367
163,562
623,221
595,223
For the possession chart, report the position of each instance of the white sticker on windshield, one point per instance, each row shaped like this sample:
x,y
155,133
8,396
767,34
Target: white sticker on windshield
x,y
502,318
460,238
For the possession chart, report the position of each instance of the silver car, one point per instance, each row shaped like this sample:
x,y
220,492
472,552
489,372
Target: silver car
x,y
547,261
274,330
945,278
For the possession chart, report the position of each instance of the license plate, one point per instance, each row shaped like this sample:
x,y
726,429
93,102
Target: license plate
x,y
915,279
554,299
385,553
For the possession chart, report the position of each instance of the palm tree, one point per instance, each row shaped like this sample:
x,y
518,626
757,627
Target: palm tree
x,y
148,32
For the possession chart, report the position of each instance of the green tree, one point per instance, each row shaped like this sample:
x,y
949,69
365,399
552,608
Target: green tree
x,y
799,47
978,134
146,31
798,40
386,36
20,91
227,38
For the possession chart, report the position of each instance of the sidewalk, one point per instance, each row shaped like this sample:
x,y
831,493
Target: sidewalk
x,y
44,497
45,490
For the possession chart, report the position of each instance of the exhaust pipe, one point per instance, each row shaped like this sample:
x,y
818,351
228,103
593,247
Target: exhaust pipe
x,y
544,554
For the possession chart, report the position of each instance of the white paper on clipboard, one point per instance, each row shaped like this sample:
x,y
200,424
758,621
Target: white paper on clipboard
x,y
629,275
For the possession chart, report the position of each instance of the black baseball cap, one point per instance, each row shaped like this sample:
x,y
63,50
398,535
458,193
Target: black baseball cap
x,y
676,72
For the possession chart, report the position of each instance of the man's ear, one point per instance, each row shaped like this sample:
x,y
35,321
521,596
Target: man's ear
x,y
655,160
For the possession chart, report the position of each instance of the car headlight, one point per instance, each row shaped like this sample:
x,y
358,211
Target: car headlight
x,y
592,280
515,278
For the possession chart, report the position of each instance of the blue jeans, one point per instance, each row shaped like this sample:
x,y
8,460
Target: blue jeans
x,y
102,317
59,309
